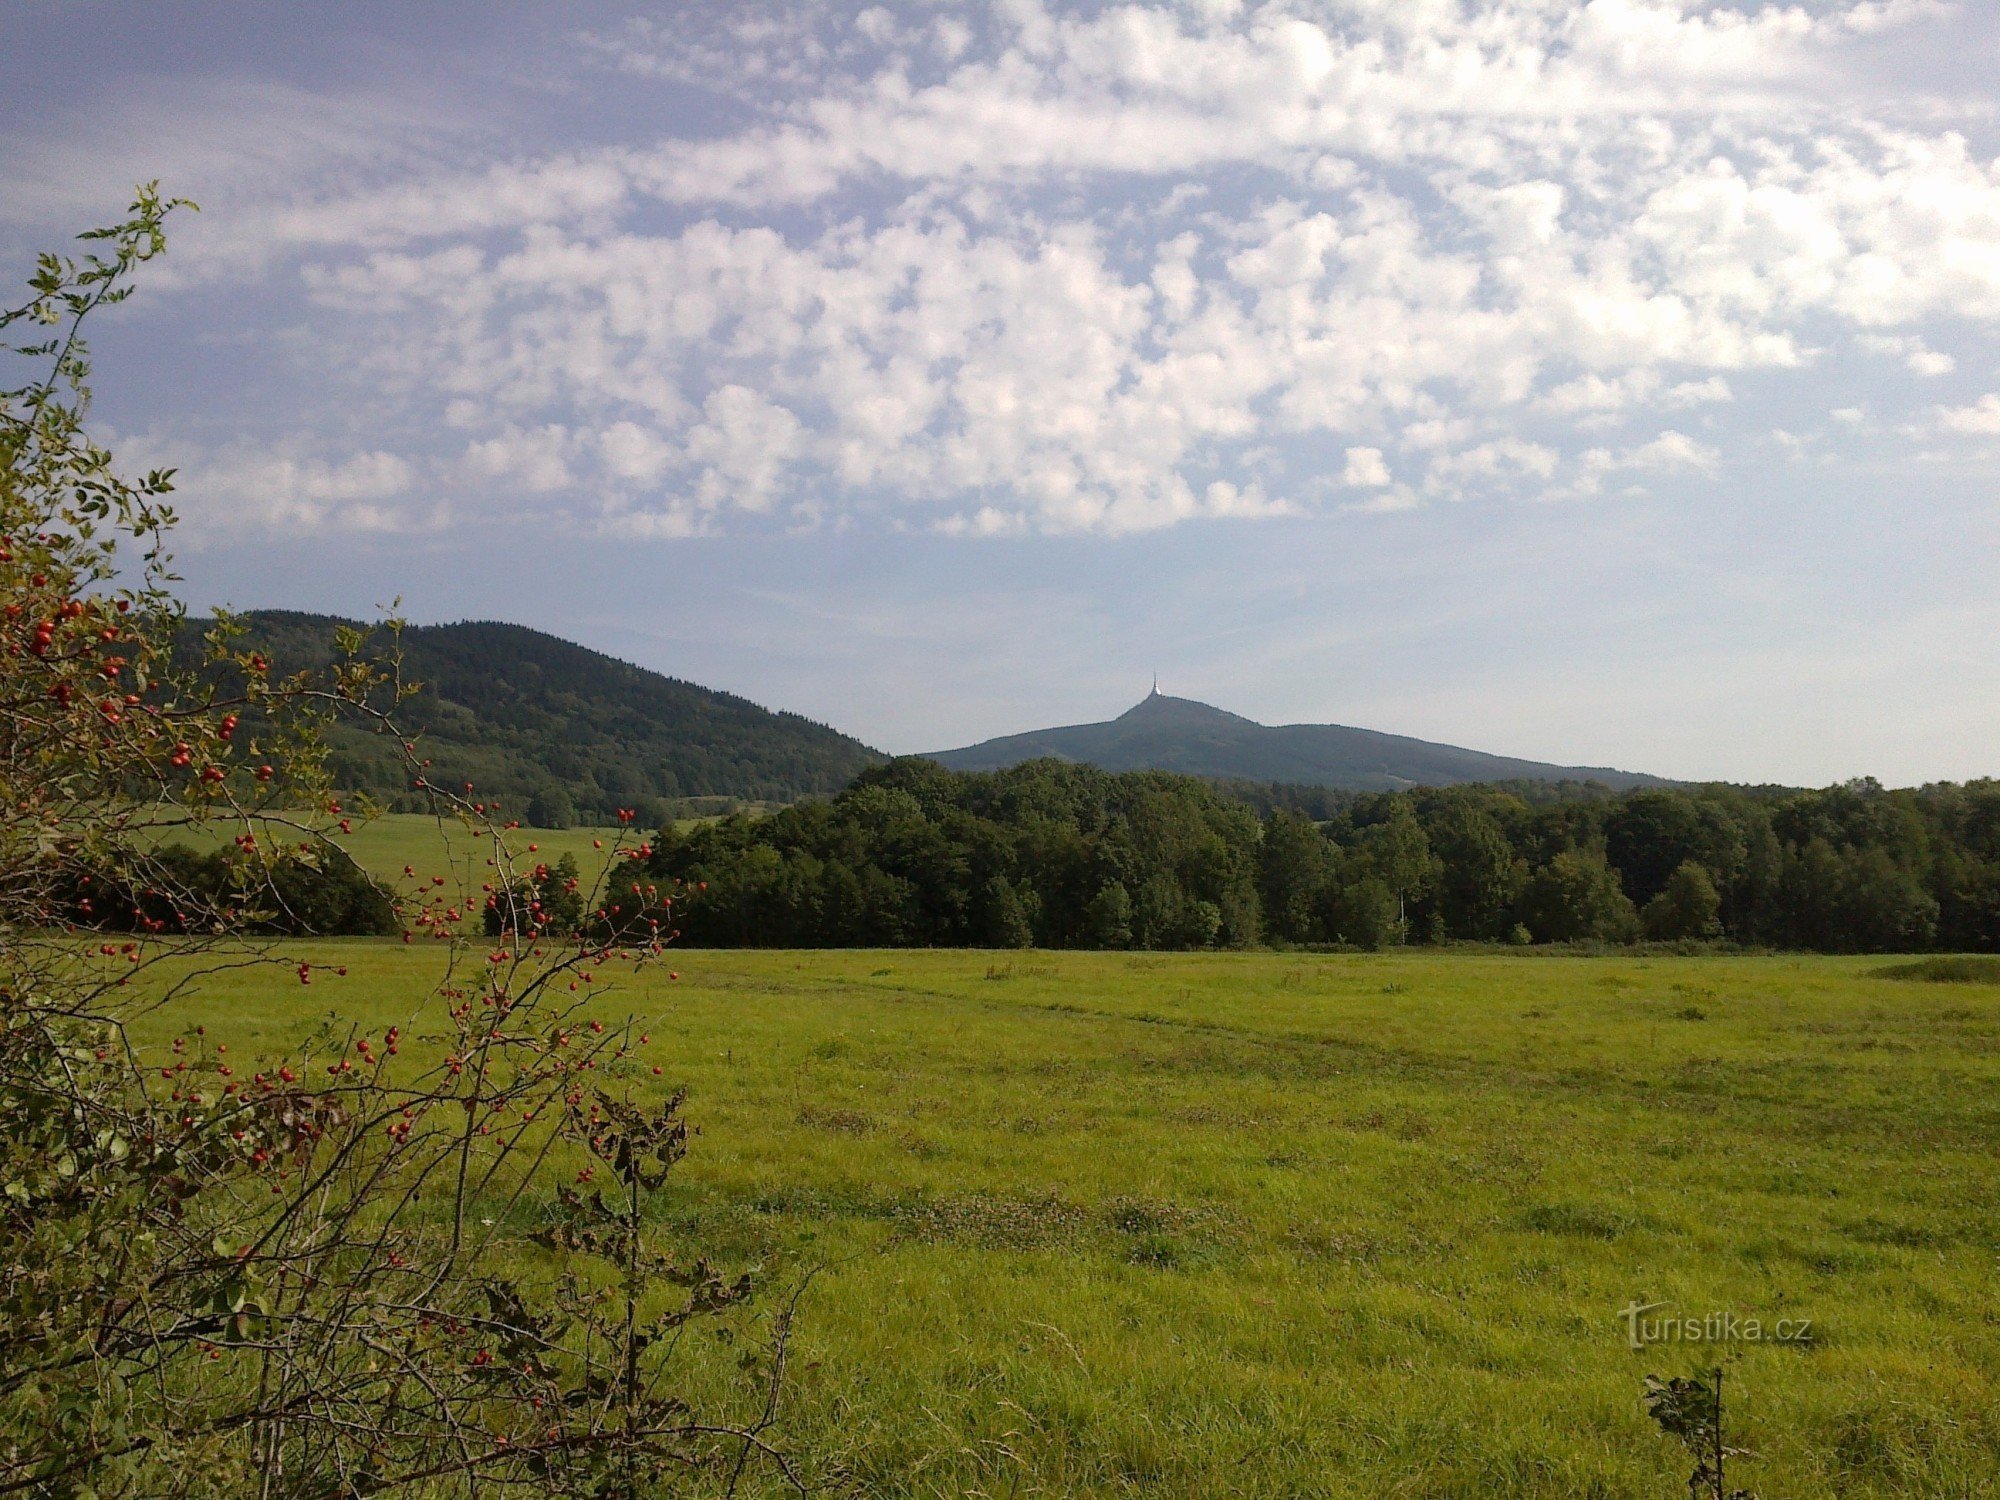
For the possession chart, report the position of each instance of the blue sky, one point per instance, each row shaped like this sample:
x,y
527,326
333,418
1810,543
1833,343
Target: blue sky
x,y
1612,383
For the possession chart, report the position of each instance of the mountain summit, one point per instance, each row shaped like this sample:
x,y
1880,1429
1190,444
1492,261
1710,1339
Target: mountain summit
x,y
1158,710
1162,733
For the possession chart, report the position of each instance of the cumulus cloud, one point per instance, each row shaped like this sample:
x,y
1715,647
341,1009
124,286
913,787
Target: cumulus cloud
x,y
1365,469
1593,471
285,485
1913,352
531,460
1981,419
1502,464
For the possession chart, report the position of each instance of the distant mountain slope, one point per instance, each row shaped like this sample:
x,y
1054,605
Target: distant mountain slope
x,y
519,714
1178,734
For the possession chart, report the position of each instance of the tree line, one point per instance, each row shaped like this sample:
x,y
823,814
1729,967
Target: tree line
x,y
1060,855
178,890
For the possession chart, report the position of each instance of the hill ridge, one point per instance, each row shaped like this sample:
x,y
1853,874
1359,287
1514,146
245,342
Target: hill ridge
x,y
1165,733
525,714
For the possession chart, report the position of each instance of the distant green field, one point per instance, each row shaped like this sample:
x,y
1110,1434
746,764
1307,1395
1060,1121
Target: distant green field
x,y
1281,1225
443,846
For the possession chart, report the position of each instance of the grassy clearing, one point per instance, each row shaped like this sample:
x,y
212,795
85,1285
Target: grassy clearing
x,y
1282,1225
384,846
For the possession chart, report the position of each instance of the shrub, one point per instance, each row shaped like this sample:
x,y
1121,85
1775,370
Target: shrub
x,y
218,1278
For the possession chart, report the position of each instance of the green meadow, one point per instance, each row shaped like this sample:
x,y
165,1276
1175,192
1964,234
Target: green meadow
x,y
385,845
1283,1225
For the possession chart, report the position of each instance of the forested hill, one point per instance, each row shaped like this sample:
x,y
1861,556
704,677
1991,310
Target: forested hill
x,y
530,717
1177,734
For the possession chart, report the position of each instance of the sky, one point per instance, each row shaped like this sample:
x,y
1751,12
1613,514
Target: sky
x,y
1611,383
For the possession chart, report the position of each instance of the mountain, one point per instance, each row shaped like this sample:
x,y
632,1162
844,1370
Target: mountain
x,y
1178,734
523,715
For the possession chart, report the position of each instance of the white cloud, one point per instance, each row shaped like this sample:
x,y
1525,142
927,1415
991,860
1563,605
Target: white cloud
x,y
244,487
1499,465
876,24
743,445
533,460
1365,469
1671,452
1698,392
633,453
1981,419
1915,354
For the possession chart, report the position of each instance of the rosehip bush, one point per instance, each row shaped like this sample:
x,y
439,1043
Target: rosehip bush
x,y
224,1275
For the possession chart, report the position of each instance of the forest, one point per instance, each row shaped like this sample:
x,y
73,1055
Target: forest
x,y
554,731
1058,855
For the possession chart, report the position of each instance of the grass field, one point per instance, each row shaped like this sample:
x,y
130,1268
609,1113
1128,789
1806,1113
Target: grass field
x,y
442,846
1284,1225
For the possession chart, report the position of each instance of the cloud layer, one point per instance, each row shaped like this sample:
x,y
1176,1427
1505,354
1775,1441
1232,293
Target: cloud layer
x,y
997,269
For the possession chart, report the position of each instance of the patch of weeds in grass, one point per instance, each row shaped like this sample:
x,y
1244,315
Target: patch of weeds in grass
x,y
1584,1221
1349,1246
1404,1124
1904,1236
1160,1251
809,1203
837,1121
1975,969
827,1050
1165,1236
1215,1114
1540,1273
922,1147
1886,1443
1137,1216
993,1222
1673,1147
1828,1259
